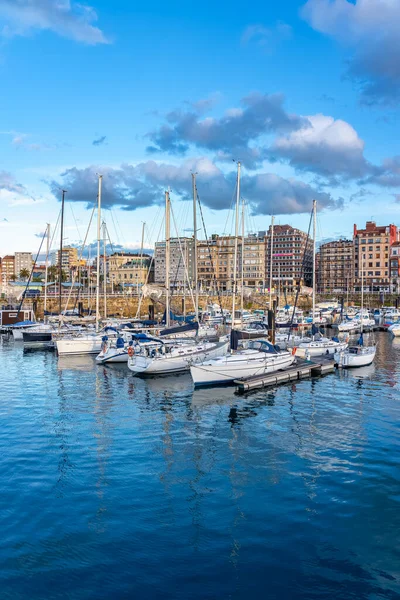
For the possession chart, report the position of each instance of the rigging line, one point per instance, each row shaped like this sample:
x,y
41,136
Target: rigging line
x,y
113,221
55,230
230,211
301,273
183,259
76,223
210,255
30,276
79,260
149,271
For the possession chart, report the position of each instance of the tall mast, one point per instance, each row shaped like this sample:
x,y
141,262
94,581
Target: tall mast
x,y
236,245
242,270
140,271
271,262
61,247
47,271
105,268
196,287
98,253
314,247
167,257
362,290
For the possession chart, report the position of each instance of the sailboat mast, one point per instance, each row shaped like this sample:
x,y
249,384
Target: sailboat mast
x,y
362,291
61,248
98,253
314,262
236,245
271,262
167,258
140,271
46,278
242,271
105,268
196,286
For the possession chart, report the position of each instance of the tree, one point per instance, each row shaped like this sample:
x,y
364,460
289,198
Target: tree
x,y
24,273
13,277
52,274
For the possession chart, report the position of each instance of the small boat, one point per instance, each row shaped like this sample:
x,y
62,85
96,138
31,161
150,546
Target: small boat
x,y
119,351
177,358
356,356
395,329
259,358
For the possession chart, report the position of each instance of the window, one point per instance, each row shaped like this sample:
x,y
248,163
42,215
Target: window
x,y
378,264
378,273
370,249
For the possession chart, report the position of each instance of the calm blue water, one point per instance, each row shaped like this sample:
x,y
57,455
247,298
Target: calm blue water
x,y
116,487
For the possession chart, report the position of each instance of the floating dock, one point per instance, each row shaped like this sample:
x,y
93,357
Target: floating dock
x,y
301,370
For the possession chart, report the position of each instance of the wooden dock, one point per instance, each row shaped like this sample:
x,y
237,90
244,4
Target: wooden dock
x,y
301,370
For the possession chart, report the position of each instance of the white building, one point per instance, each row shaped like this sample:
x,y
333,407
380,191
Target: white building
x,y
23,260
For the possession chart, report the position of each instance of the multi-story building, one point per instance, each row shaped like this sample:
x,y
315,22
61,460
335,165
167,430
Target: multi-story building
x,y
133,272
7,269
335,270
371,254
216,257
69,258
292,258
23,262
181,256
394,267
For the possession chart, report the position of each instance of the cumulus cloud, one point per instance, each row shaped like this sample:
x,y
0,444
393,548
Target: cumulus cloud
x,y
231,136
135,186
370,29
325,146
67,18
387,175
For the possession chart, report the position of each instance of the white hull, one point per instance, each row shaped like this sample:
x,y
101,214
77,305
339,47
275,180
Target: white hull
x,y
113,355
89,345
395,330
358,357
322,348
239,366
175,362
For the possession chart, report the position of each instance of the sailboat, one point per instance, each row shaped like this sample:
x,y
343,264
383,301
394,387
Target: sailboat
x,y
359,355
258,358
318,345
168,358
87,343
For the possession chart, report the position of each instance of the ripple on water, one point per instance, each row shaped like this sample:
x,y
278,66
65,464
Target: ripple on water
x,y
112,486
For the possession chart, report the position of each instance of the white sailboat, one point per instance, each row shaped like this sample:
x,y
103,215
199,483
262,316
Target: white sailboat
x,y
359,355
319,345
258,358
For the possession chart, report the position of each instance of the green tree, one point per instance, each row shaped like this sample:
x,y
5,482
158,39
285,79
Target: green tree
x,y
52,274
24,273
13,277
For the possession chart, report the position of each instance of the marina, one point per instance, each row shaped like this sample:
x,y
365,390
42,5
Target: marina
x,y
290,486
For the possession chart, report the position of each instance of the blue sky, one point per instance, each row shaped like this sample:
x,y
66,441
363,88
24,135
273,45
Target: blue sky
x,y
305,94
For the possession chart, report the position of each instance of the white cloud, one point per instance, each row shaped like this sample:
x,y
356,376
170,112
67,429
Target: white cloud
x,y
65,17
324,145
370,28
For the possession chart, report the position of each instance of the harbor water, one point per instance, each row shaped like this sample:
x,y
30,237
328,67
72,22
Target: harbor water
x,y
113,486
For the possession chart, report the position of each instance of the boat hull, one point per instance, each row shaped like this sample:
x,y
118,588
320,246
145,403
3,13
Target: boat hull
x,y
225,372
317,349
348,360
168,364
112,356
78,346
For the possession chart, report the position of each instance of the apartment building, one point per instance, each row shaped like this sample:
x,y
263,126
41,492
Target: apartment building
x,y
292,258
181,258
22,262
371,247
69,258
7,269
335,268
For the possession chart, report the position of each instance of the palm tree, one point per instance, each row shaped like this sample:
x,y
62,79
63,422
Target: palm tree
x,y
24,273
52,274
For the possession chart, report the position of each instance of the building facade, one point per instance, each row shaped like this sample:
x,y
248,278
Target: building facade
x,y
22,262
69,258
7,269
371,254
394,267
292,258
335,269
181,256
132,273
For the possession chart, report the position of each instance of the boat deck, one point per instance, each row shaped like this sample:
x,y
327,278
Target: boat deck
x,y
301,370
